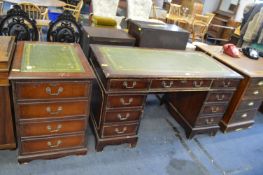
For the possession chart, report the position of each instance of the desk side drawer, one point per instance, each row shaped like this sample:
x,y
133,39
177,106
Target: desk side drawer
x,y
53,109
119,130
214,109
122,116
52,127
243,116
208,121
52,144
249,104
219,97
51,90
253,93
232,84
125,101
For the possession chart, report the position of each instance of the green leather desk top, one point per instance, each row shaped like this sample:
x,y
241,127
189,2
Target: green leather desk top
x,y
39,57
119,61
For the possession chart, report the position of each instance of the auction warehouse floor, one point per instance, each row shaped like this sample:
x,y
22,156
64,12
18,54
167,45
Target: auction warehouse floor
x,y
162,149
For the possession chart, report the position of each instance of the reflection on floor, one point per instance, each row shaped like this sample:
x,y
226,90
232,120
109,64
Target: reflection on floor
x,y
162,150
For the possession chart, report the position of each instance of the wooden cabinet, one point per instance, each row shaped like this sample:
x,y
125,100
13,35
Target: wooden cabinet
x,y
51,89
198,90
7,139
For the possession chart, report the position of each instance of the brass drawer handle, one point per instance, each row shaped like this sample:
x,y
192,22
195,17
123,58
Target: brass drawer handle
x,y
215,109
49,144
198,85
220,98
226,84
49,91
59,110
124,118
49,128
251,104
209,122
256,92
125,84
126,103
244,115
260,83
165,85
124,129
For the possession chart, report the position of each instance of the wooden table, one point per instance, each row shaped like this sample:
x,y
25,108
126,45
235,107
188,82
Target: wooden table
x,y
7,138
51,89
198,90
41,3
249,94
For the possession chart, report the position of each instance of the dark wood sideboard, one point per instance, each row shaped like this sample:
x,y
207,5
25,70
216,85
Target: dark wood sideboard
x,y
51,85
126,75
248,97
7,139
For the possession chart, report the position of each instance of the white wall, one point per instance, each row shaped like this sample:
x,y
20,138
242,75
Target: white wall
x,y
240,10
210,6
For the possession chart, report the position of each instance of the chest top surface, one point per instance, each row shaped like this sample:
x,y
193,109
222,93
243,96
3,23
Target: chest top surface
x,y
7,48
244,65
117,61
49,60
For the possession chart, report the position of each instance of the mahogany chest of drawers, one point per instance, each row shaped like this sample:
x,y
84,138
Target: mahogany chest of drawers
x,y
7,140
51,89
248,97
197,88
155,35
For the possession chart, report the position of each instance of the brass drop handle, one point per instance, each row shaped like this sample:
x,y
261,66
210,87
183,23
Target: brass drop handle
x,y
215,109
209,122
125,84
251,104
260,83
256,92
49,91
220,98
244,115
49,128
198,85
124,129
123,102
165,85
226,84
49,144
59,109
124,117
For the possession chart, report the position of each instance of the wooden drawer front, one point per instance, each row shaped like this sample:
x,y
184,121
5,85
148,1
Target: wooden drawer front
x,y
225,84
244,116
43,90
219,96
117,85
51,128
55,109
214,109
256,83
208,121
254,93
125,101
119,130
157,84
122,116
54,143
249,104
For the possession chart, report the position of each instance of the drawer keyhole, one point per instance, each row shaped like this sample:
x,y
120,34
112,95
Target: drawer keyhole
x,y
59,110
49,144
125,84
124,129
166,85
123,102
49,128
124,117
49,91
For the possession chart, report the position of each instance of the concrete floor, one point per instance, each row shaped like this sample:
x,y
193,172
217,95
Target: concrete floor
x,y
162,150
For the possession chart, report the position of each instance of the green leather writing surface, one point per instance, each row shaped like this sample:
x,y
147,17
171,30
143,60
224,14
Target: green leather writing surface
x,y
39,57
124,60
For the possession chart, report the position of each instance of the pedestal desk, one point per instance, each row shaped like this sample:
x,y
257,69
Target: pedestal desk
x,y
7,140
249,94
198,90
51,89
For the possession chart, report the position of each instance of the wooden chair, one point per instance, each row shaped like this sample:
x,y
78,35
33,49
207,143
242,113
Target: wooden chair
x,y
198,8
211,16
74,9
199,27
174,13
183,23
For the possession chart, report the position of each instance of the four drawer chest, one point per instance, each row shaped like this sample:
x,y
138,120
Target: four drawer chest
x,y
51,91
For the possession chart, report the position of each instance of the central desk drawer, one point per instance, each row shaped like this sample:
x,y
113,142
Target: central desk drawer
x,y
119,130
219,96
53,143
214,109
122,116
50,90
117,85
125,101
157,84
52,127
53,109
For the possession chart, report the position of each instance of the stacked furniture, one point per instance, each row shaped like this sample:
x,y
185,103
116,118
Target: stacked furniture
x,y
51,89
7,140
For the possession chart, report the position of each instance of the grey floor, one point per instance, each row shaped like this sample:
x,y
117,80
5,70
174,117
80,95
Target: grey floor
x,y
162,150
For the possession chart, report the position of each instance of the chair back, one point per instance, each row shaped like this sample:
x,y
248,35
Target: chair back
x,y
139,9
183,23
174,11
33,11
198,8
64,29
202,18
211,16
105,8
76,12
199,29
17,23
